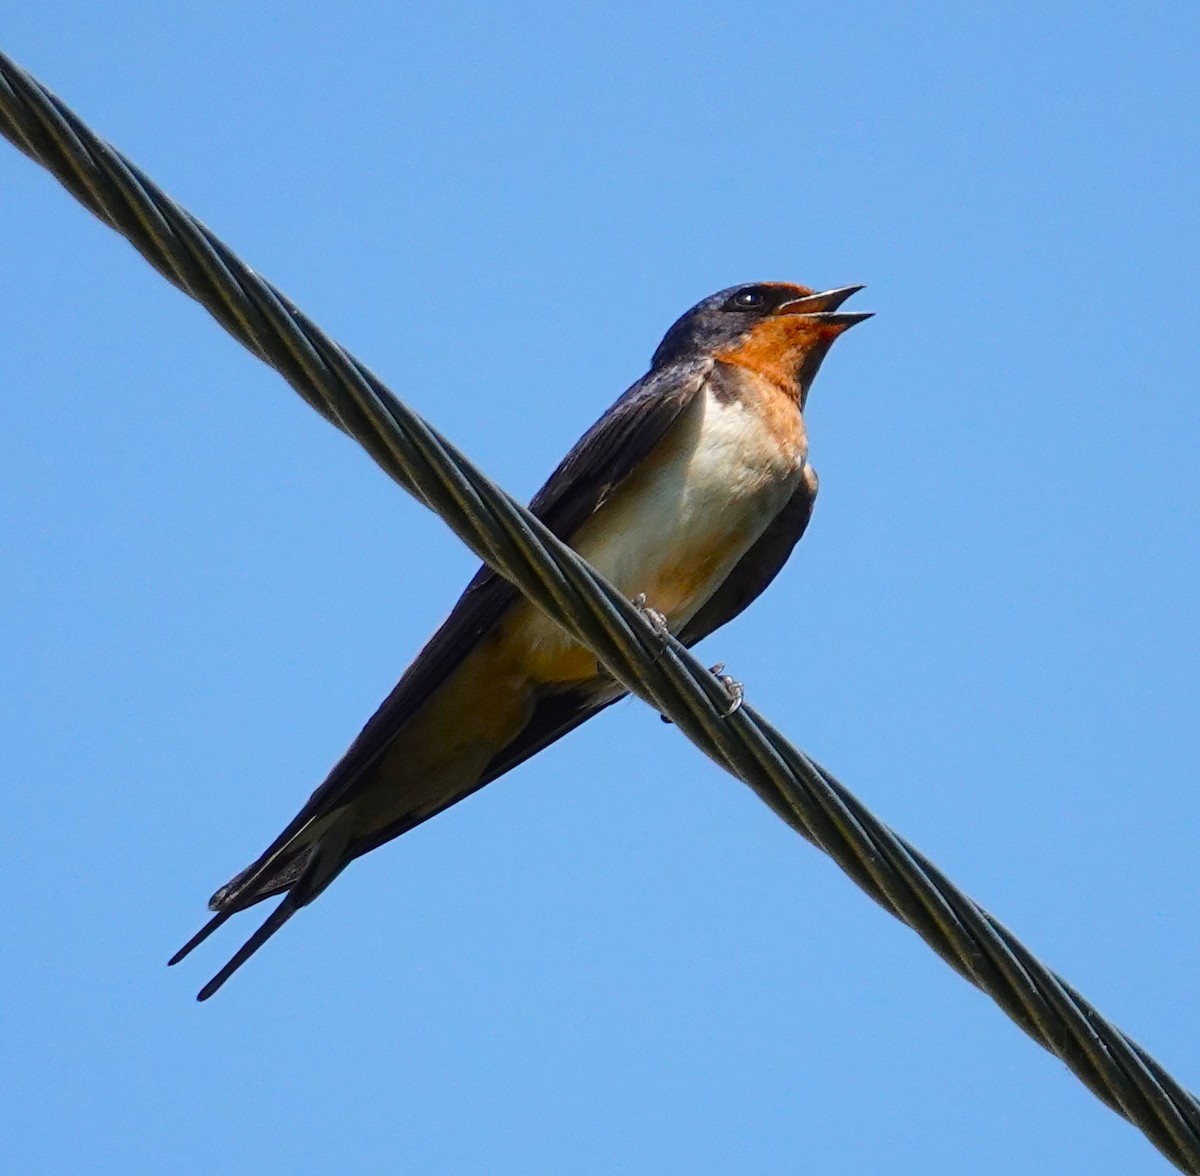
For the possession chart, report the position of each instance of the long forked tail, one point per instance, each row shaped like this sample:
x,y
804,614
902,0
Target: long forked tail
x,y
303,876
271,924
242,892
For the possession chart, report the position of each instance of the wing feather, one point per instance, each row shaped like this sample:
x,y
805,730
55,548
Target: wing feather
x,y
609,451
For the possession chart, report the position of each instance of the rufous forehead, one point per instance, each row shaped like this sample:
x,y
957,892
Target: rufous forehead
x,y
792,288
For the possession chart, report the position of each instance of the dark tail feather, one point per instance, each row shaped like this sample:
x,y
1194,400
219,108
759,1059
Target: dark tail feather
x,y
325,861
200,936
276,919
261,880
237,896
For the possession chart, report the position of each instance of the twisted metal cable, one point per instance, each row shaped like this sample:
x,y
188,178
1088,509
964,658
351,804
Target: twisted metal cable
x,y
656,668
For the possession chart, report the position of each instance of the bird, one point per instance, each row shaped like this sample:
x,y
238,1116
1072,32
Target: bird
x,y
688,494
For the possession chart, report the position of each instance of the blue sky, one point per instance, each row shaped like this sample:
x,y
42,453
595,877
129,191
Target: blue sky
x,y
615,959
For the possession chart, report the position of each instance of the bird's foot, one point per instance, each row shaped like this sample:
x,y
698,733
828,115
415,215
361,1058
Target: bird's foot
x,y
657,621
735,692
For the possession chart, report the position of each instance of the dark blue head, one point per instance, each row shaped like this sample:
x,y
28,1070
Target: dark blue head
x,y
722,322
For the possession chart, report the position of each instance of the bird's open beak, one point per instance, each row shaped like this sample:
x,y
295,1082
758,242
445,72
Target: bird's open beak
x,y
823,308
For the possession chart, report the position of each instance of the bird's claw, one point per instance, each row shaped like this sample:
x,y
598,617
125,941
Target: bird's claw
x,y
657,621
735,692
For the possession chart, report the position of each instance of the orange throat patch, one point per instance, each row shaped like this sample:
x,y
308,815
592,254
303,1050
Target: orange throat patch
x,y
777,348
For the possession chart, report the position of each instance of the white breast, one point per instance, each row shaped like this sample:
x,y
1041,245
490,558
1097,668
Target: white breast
x,y
675,529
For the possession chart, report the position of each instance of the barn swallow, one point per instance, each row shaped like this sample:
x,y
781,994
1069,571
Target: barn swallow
x,y
690,492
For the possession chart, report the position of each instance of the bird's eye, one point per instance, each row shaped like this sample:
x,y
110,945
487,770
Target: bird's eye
x,y
747,300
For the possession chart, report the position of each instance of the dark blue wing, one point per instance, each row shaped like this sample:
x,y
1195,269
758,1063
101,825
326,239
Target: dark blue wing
x,y
601,460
